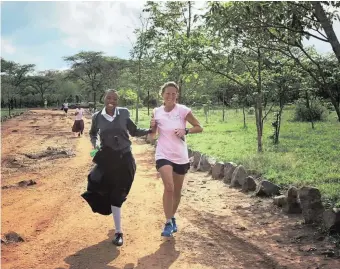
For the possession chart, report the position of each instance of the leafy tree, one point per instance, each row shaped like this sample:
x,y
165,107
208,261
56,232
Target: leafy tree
x,y
13,77
138,52
169,36
42,83
95,70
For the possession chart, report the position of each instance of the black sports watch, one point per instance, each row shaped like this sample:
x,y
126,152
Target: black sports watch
x,y
186,131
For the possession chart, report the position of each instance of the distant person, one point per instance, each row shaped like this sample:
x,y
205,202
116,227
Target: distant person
x,y
65,107
78,125
110,180
45,103
172,161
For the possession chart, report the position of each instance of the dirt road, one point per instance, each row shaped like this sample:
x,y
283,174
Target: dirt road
x,y
219,227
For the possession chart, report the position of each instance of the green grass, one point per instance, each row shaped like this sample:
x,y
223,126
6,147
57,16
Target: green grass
x,y
303,157
4,111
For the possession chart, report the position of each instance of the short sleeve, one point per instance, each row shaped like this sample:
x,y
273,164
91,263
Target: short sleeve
x,y
184,111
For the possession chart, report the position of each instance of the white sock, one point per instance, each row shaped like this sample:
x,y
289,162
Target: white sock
x,y
116,212
169,221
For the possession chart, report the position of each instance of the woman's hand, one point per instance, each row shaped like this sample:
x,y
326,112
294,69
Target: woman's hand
x,y
180,132
153,123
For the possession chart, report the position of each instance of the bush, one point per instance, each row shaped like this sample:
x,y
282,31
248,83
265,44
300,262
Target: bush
x,y
251,111
316,112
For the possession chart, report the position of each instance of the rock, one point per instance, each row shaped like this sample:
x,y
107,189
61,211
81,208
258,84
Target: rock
x,y
190,153
217,170
197,159
312,208
238,177
328,253
293,205
14,131
267,188
280,200
249,184
206,163
13,237
25,183
331,220
229,169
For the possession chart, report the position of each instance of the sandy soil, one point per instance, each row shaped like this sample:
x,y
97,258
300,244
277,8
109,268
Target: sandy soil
x,y
219,227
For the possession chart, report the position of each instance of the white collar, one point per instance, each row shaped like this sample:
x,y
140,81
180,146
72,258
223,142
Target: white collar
x,y
116,112
109,117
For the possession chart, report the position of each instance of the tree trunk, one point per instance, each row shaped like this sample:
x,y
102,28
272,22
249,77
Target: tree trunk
x,y
259,105
327,27
223,113
244,118
148,102
309,109
336,107
138,90
42,98
94,100
180,84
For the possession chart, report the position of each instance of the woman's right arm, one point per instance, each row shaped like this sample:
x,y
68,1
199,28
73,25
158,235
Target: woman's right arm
x,y
153,126
94,130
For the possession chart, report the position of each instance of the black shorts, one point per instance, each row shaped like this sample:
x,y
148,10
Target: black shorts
x,y
66,109
180,169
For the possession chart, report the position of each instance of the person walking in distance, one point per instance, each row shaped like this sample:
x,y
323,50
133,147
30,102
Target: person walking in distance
x,y
110,181
65,107
78,125
172,160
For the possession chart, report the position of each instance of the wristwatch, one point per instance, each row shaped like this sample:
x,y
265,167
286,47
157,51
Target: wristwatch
x,y
186,131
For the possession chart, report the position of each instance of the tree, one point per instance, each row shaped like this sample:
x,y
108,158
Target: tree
x,y
138,53
91,68
42,83
283,29
169,37
13,76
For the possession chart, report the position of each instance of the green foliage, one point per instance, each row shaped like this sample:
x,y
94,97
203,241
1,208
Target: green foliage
x,y
251,111
127,97
316,112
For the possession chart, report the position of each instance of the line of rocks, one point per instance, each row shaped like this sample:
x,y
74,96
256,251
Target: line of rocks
x,y
305,200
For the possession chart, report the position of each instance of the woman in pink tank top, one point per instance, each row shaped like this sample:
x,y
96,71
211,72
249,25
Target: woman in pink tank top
x,y
172,161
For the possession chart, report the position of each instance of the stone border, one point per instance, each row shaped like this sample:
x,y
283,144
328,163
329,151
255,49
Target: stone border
x,y
305,200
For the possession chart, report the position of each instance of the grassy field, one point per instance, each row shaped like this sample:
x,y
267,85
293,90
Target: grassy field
x,y
303,157
4,111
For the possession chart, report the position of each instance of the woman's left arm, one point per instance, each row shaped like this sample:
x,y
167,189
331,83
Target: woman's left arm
x,y
135,131
196,126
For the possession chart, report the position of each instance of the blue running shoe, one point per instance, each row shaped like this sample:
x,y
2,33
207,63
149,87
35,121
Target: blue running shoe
x,y
174,225
168,230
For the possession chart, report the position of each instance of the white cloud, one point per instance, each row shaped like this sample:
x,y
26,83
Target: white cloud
x,y
101,25
7,47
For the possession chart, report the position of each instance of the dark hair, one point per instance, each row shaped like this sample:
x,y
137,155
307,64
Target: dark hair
x,y
169,84
110,91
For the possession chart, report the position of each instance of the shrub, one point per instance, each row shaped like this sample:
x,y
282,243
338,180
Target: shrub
x,y
316,112
251,111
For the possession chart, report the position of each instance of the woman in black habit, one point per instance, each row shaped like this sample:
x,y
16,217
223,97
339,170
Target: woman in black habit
x,y
110,180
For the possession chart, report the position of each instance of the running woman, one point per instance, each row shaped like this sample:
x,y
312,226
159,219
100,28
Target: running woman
x,y
172,160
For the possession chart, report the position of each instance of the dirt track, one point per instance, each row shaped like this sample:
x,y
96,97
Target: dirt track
x,y
219,227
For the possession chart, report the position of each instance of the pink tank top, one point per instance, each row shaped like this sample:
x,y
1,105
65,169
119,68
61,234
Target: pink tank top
x,y
170,146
